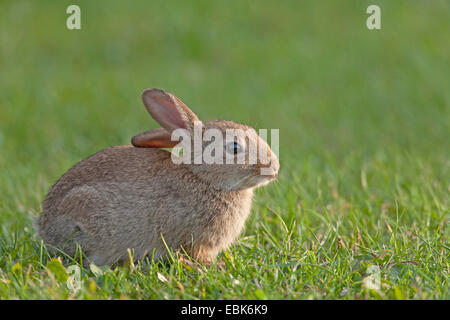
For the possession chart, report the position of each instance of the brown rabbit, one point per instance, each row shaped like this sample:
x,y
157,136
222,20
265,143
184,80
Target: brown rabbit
x,y
136,197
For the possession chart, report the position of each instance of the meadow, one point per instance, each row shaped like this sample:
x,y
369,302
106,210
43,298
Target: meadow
x,y
363,116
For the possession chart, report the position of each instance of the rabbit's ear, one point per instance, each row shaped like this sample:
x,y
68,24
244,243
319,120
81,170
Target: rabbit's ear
x,y
157,138
169,111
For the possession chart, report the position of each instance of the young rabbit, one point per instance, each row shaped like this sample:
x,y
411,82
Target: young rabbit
x,y
136,197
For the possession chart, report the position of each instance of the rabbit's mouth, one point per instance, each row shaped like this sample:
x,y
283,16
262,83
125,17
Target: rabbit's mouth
x,y
258,180
268,173
272,176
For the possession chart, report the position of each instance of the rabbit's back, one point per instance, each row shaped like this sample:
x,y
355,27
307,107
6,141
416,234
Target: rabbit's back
x,y
111,165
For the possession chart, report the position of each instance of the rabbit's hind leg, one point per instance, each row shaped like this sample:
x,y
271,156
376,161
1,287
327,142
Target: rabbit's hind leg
x,y
68,229
60,233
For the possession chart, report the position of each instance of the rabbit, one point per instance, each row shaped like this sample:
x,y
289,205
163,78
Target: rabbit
x,y
135,197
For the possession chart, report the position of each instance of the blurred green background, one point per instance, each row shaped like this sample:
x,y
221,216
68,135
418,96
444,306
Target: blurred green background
x,y
363,115
311,69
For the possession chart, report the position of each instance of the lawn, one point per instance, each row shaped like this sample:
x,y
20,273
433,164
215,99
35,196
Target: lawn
x,y
364,117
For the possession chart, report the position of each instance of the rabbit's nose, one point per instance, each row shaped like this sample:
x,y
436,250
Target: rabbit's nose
x,y
268,163
274,163
271,168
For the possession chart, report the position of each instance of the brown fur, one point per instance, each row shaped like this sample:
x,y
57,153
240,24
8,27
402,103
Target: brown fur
x,y
127,197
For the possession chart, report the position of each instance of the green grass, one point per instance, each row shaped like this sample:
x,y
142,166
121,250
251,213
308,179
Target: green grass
x,y
364,132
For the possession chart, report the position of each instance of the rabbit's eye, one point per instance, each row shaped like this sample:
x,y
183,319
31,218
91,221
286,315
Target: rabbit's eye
x,y
234,147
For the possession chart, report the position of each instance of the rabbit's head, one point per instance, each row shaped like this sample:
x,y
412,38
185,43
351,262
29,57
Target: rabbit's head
x,y
226,154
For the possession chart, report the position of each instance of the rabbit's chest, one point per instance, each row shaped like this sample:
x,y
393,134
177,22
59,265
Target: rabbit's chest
x,y
224,220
